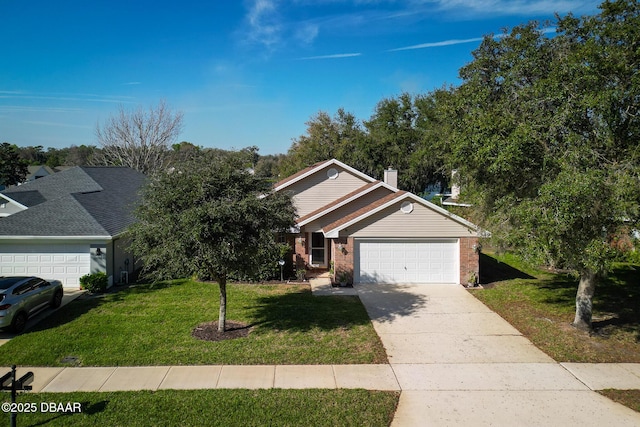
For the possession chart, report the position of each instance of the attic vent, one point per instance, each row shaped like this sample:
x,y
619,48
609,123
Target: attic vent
x,y
332,173
406,207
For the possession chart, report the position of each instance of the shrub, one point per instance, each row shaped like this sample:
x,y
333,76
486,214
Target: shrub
x,y
96,282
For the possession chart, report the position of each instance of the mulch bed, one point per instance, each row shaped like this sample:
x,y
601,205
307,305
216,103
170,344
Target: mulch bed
x,y
209,331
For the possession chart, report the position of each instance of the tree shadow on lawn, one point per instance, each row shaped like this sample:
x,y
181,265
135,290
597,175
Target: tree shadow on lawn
x,y
618,297
616,303
492,270
301,311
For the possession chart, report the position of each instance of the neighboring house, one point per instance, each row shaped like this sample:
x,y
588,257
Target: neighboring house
x,y
453,198
37,172
375,232
68,224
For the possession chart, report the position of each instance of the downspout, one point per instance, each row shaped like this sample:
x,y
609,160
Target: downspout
x,y
113,260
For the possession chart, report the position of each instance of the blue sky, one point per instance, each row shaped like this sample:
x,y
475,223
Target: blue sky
x,y
242,72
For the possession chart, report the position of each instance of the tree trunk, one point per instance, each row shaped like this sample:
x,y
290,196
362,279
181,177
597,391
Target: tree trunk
x,y
222,318
584,304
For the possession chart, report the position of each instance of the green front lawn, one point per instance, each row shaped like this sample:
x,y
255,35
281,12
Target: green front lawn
x,y
216,408
152,325
541,305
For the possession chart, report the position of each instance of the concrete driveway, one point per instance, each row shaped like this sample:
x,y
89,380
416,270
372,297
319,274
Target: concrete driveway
x,y
459,363
68,296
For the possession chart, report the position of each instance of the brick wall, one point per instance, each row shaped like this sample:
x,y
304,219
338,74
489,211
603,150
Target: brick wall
x,y
301,252
469,258
342,258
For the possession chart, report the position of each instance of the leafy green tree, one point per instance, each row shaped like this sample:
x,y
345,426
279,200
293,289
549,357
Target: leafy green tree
x,y
545,135
268,166
33,155
392,139
212,218
427,164
326,138
81,155
13,169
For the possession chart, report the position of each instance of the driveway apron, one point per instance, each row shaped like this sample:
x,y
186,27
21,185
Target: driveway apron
x,y
459,363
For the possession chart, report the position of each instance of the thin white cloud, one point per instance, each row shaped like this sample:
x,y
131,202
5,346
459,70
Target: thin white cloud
x,y
73,97
131,83
546,30
307,33
55,124
333,56
23,109
264,23
513,7
437,44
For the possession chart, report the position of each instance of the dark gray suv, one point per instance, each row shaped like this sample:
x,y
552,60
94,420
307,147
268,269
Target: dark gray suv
x,y
21,297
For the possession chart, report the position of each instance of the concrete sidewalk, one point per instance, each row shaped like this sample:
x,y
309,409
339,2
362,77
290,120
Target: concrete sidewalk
x,y
406,377
371,377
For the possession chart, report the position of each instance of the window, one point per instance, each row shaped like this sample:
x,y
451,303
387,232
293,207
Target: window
x,y
317,249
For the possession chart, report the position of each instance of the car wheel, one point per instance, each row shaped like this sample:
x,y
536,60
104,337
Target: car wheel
x,y
19,322
57,299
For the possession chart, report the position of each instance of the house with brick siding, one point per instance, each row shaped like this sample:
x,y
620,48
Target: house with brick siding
x,y
373,232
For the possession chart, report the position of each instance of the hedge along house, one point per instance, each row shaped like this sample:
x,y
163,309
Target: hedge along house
x,y
69,224
376,233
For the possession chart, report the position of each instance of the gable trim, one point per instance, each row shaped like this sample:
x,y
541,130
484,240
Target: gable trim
x,y
335,232
312,170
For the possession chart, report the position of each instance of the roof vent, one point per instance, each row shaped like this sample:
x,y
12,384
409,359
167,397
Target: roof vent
x,y
332,173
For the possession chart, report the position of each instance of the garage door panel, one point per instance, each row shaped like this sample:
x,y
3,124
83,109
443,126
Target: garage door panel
x,y
55,264
406,261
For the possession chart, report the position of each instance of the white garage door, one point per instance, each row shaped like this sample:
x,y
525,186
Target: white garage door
x,y
66,263
407,261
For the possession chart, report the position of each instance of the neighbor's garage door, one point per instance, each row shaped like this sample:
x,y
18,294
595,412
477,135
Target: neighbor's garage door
x,y
407,261
64,262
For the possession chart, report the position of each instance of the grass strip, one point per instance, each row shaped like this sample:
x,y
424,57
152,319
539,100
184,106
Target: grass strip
x,y
203,408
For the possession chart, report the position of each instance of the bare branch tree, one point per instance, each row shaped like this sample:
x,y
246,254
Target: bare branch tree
x,y
139,138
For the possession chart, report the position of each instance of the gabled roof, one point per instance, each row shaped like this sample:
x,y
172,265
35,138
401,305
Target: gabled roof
x,y
81,201
332,230
38,171
316,168
342,201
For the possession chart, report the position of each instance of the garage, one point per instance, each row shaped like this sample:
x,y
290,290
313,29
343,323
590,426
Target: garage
x,y
406,261
66,262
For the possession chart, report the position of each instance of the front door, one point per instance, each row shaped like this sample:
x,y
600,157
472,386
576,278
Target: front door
x,y
318,250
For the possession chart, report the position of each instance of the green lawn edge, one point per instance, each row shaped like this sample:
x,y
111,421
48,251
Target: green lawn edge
x,y
202,408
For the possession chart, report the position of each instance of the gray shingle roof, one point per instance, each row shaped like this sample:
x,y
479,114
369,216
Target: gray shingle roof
x,y
81,201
